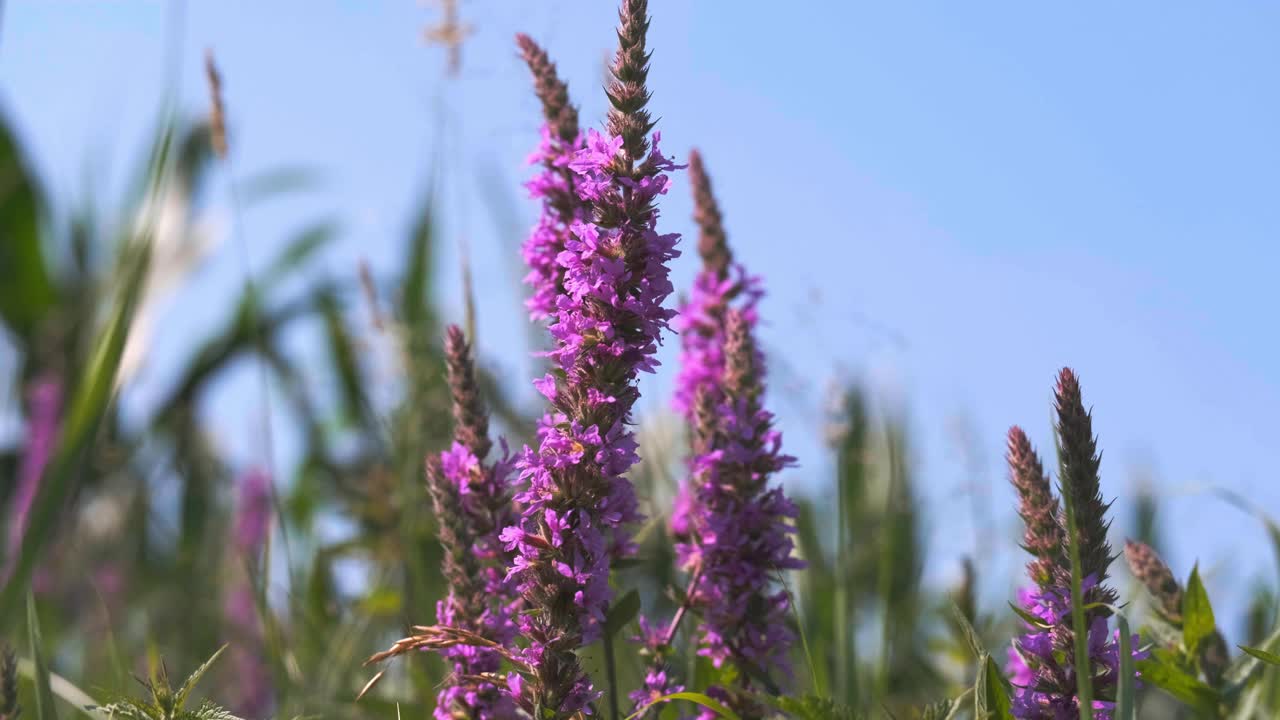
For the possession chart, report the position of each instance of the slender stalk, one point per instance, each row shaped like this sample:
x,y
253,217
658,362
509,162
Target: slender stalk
x,y
1084,675
841,619
611,672
684,607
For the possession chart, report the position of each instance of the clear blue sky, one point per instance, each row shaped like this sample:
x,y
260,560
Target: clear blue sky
x,y
951,200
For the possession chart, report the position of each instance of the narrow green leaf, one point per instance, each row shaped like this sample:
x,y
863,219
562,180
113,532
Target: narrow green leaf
x,y
1197,614
190,683
1028,618
692,697
1263,655
26,290
1183,686
971,636
89,403
1084,680
1125,687
991,699
622,612
44,695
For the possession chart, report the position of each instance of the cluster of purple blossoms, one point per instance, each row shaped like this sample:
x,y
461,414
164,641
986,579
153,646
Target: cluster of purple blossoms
x,y
240,609
472,502
658,681
486,602
740,529
45,403
577,501
734,528
1042,664
561,212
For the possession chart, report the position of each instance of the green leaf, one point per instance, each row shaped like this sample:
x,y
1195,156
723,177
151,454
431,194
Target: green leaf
x,y
1125,688
1159,671
622,612
44,695
692,697
811,707
88,405
971,637
990,698
1197,614
189,684
1263,655
26,290
1029,619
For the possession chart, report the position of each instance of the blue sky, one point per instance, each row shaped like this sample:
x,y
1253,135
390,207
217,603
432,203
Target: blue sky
x,y
949,200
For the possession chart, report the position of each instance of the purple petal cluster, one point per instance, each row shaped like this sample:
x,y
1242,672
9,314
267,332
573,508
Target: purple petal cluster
x,y
45,403
1040,666
658,681
701,327
561,210
740,529
483,502
606,320
251,527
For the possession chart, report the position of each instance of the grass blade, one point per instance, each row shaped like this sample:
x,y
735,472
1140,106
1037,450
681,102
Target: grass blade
x,y
44,696
1125,689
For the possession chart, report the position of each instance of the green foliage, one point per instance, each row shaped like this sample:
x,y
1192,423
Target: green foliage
x,y
1197,614
44,695
165,703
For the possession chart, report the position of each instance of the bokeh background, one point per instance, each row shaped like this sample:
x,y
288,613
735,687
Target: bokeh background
x,y
947,202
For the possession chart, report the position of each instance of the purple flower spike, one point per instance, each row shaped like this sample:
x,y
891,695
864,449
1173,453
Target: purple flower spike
x,y
600,277
45,403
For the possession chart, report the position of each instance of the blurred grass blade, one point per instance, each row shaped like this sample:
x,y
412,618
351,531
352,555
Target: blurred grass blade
x,y
62,688
990,699
1125,689
692,697
1263,655
44,696
88,405
26,291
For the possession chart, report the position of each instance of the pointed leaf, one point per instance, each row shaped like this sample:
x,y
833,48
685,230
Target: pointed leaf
x,y
991,700
44,695
190,683
1159,671
1197,614
26,290
622,612
971,636
1263,655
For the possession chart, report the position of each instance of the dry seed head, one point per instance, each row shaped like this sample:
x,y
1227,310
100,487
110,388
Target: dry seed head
x,y
1150,570
217,112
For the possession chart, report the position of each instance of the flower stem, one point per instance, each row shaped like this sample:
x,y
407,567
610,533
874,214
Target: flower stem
x,y
611,671
1084,670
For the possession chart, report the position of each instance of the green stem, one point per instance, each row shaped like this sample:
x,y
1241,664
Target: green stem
x,y
611,671
1084,669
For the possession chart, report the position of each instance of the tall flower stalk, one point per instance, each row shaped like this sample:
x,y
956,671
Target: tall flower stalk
x,y
1047,660
251,528
472,502
45,411
606,319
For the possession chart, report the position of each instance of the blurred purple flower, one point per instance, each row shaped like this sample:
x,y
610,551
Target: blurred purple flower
x,y
45,403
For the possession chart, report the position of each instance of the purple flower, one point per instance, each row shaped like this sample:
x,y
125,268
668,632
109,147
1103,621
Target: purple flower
x,y
45,399
253,512
473,506
606,317
740,530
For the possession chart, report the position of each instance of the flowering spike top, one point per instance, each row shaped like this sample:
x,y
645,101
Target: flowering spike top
x,y
472,503
720,284
1037,506
1078,476
1041,663
628,91
562,208
603,294
470,418
740,534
